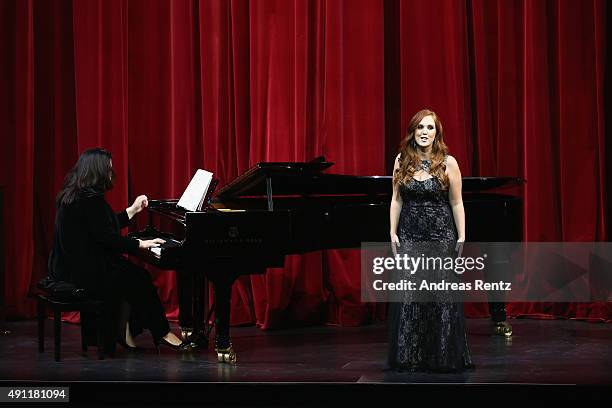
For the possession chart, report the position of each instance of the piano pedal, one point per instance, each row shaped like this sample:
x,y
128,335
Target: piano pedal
x,y
226,355
186,333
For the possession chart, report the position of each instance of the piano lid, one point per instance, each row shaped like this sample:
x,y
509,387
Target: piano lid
x,y
300,178
307,178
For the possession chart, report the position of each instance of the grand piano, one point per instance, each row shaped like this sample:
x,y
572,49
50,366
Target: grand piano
x,y
280,208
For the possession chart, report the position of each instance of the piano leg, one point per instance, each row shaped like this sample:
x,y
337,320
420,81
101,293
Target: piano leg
x,y
185,286
223,344
497,311
498,270
193,303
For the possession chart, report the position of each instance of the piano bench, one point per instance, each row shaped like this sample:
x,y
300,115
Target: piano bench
x,y
45,302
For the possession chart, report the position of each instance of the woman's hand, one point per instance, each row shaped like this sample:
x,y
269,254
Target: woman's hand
x,y
140,203
150,243
394,243
459,246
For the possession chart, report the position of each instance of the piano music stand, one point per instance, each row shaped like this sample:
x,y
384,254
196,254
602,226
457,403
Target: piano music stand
x,y
208,197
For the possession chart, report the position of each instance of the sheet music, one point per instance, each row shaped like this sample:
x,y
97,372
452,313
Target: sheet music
x,y
194,194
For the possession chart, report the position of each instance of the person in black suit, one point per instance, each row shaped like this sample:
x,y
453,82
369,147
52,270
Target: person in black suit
x,y
88,248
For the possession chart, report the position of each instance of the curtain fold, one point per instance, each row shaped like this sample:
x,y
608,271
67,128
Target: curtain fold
x,y
172,86
17,153
101,85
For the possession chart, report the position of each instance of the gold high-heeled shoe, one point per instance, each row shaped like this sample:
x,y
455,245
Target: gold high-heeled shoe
x,y
226,355
503,329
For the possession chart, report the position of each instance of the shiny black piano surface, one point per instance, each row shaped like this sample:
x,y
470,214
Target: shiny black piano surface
x,y
281,208
290,208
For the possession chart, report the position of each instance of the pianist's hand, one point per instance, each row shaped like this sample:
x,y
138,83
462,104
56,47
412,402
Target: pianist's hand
x,y
150,243
140,203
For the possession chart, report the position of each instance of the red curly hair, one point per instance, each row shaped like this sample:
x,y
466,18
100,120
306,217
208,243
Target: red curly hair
x,y
409,161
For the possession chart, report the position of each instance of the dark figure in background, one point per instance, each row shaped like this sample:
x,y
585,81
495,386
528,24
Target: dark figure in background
x,y
427,207
88,248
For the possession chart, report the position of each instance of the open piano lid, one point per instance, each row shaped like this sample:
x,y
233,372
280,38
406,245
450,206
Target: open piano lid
x,y
307,178
300,178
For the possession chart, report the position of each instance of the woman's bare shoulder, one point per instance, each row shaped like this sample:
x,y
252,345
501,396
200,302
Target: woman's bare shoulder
x,y
451,161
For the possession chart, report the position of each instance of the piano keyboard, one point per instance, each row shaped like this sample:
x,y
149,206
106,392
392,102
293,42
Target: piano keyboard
x,y
170,243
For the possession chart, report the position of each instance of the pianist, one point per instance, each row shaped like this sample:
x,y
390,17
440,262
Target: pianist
x,y
88,248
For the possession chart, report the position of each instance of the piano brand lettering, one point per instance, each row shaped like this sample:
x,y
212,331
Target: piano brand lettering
x,y
234,241
232,231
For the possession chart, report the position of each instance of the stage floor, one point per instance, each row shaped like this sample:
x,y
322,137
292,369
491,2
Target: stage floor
x,y
539,352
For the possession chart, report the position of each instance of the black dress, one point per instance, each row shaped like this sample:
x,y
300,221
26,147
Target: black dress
x,y
87,251
427,335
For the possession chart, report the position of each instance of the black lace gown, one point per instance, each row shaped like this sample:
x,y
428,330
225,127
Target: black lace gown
x,y
427,336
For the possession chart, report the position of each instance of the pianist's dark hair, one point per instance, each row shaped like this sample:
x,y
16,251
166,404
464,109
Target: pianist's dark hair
x,y
91,175
409,161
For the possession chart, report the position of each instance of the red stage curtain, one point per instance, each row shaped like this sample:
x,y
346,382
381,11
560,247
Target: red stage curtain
x,y
17,152
172,86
